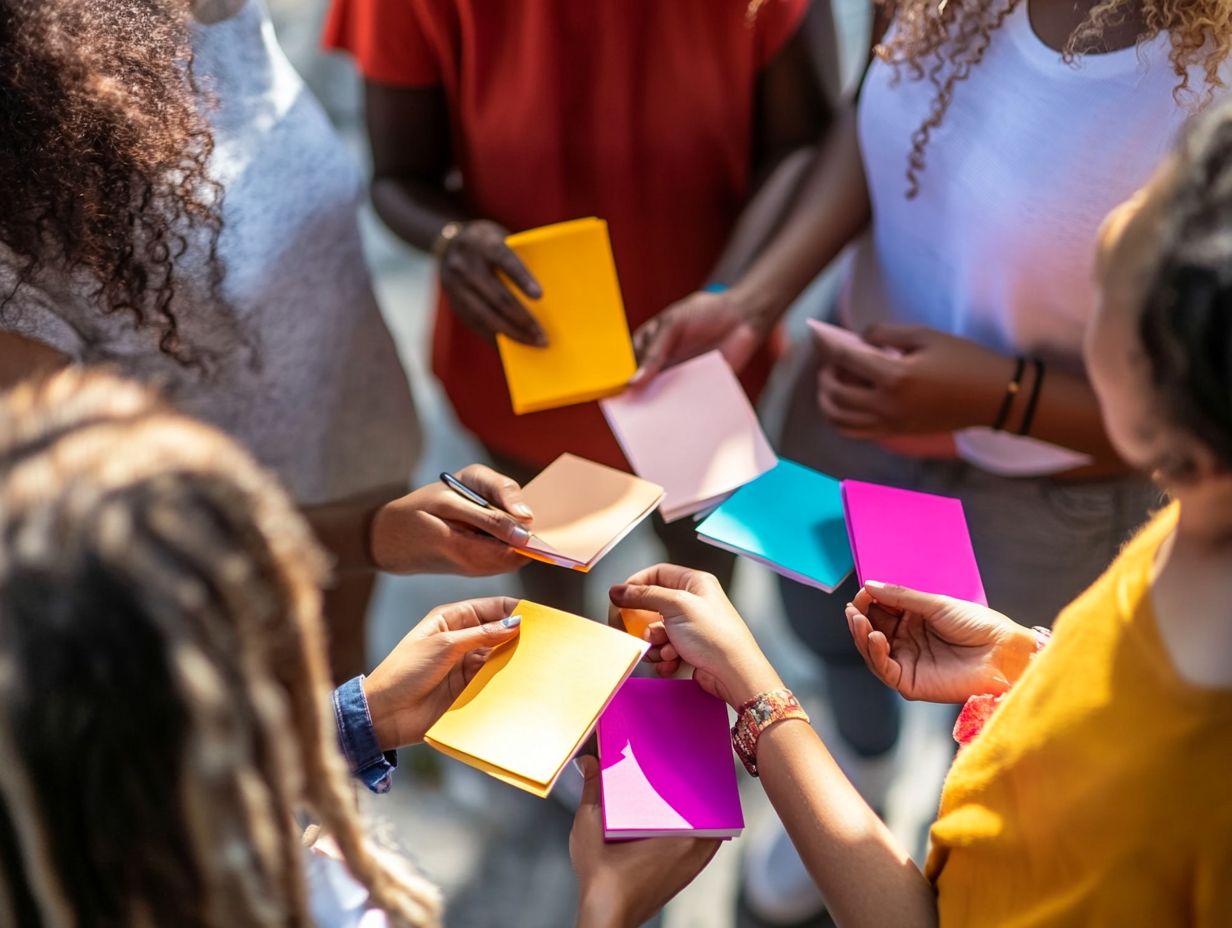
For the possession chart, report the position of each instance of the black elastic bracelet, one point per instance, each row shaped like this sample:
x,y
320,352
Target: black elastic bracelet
x,y
1029,416
1011,391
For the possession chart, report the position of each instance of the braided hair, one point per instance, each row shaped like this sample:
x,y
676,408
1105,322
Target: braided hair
x,y
164,711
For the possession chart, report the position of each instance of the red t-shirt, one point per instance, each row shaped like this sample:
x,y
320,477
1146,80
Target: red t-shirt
x,y
636,111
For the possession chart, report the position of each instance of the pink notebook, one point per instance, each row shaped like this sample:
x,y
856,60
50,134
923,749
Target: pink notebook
x,y
692,431
667,761
915,540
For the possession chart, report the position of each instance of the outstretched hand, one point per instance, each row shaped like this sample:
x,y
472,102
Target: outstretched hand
x,y
624,883
434,530
430,667
698,323
936,648
701,627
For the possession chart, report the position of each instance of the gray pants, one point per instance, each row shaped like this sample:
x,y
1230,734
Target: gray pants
x,y
1039,543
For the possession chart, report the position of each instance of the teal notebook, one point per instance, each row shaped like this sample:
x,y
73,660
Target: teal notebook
x,y
790,519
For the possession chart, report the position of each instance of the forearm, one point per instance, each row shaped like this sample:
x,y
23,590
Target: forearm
x,y
596,910
1068,414
864,875
344,528
415,210
764,213
832,206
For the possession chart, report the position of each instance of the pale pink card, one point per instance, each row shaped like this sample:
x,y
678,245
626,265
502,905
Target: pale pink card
x,y
692,431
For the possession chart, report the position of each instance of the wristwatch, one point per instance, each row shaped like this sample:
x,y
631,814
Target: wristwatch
x,y
758,714
443,238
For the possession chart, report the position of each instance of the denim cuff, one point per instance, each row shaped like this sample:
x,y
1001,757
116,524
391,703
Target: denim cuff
x,y
357,737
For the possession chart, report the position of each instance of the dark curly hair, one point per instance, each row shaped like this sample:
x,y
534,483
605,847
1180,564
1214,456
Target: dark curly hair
x,y
1186,323
104,148
943,41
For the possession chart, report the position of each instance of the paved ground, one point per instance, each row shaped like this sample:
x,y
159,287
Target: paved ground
x,y
501,854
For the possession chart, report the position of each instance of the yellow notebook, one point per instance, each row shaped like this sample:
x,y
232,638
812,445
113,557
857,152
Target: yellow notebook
x,y
583,510
589,353
534,702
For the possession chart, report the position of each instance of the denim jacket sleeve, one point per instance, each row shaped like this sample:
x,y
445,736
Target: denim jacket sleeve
x,y
357,738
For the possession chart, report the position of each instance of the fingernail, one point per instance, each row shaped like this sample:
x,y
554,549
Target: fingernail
x,y
521,509
637,376
512,621
577,765
520,536
874,584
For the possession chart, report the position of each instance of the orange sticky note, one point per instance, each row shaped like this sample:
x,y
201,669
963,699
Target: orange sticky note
x,y
589,353
538,697
583,509
638,620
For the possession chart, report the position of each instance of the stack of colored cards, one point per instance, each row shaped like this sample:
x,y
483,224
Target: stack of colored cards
x,y
583,509
789,519
667,765
537,698
589,353
912,539
693,431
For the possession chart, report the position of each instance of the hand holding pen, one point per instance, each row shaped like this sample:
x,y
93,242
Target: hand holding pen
x,y
439,528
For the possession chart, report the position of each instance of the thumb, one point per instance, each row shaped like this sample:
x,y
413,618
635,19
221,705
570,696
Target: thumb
x,y
589,767
658,352
488,635
902,337
647,598
903,599
739,347
500,490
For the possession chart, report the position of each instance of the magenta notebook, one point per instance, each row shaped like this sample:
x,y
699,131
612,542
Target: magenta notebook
x,y
667,763
911,539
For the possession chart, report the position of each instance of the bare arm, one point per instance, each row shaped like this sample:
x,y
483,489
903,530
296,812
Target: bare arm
x,y
864,875
832,206
866,878
412,161
792,112
408,130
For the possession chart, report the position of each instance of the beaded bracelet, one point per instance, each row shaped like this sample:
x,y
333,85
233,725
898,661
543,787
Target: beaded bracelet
x,y
758,714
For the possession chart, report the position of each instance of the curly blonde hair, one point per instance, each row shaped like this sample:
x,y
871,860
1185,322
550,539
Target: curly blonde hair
x,y
164,696
943,40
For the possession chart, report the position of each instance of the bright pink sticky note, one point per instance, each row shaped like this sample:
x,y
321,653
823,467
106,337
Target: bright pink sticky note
x,y
667,761
912,539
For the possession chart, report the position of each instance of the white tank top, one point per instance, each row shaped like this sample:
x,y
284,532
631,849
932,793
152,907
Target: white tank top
x,y
999,245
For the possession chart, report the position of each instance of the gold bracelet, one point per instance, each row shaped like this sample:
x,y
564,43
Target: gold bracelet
x,y
445,238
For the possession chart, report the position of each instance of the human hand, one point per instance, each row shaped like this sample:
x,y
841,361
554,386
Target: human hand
x,y
434,530
937,648
623,883
424,674
908,380
701,627
479,295
694,325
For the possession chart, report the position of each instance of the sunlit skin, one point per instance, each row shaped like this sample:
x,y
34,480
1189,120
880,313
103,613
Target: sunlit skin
x,y
1192,585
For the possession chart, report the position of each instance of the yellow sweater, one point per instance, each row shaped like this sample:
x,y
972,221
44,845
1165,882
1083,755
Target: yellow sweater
x,y
1100,792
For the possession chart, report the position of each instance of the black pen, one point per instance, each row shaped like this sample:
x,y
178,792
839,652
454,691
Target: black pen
x,y
466,492
472,497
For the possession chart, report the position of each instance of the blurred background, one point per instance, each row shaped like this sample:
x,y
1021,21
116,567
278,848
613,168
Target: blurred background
x,y
500,854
